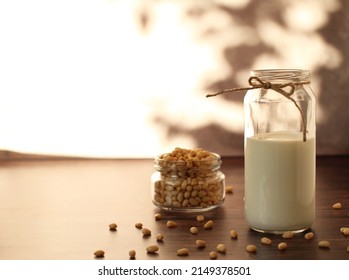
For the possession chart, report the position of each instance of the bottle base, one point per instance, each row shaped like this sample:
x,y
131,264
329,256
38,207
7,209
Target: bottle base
x,y
188,209
279,231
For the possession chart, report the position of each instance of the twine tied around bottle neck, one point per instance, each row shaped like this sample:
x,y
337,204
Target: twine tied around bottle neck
x,y
286,89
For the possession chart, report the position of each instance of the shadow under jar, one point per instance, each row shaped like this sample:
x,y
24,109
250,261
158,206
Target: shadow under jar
x,y
192,184
280,151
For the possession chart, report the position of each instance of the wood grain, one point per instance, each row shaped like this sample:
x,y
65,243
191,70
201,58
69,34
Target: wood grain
x,y
61,209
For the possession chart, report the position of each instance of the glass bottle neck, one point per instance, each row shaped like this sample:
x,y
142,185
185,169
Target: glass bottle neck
x,y
282,75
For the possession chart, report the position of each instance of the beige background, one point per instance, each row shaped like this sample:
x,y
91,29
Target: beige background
x,y
129,78
331,79
280,34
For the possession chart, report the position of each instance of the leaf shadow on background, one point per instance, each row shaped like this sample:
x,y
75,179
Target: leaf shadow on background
x,y
336,32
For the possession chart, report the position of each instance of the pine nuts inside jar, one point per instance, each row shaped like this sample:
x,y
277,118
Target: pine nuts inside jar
x,y
188,180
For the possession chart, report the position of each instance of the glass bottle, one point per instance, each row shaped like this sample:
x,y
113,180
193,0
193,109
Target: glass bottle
x,y
280,151
188,186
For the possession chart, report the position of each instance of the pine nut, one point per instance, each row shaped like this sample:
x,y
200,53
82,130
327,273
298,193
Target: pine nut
x,y
324,244
194,230
337,206
200,243
132,254
288,234
99,254
309,236
183,252
208,224
229,189
266,241
221,248
251,248
233,234
345,230
146,231
113,226
159,237
152,249
342,229
158,217
282,246
171,224
213,255
200,218
139,225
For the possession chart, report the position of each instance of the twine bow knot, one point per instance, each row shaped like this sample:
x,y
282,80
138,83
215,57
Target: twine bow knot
x,y
285,89
256,82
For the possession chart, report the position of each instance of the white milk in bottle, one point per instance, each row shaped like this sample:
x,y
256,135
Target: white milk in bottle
x,y
279,181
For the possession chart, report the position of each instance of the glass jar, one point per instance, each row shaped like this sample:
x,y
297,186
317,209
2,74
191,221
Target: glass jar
x,y
280,151
188,184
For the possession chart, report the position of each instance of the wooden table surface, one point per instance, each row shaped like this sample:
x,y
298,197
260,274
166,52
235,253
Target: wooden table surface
x,y
60,209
